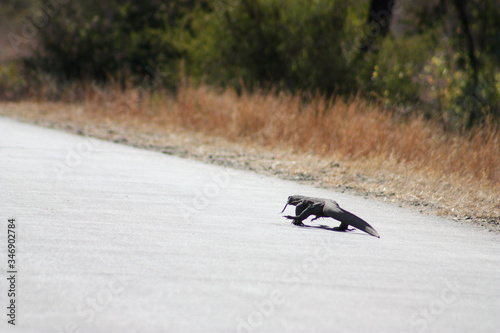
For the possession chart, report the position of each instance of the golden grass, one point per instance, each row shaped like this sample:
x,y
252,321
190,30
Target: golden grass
x,y
412,160
354,130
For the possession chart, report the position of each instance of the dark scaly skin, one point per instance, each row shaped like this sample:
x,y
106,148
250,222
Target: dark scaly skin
x,y
307,206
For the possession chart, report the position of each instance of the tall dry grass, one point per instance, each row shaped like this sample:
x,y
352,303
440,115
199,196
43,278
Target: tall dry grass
x,y
353,129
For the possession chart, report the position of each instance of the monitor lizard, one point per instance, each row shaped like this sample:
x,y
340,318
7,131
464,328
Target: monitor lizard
x,y
306,206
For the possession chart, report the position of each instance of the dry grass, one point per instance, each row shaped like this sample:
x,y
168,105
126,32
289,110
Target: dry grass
x,y
354,130
338,142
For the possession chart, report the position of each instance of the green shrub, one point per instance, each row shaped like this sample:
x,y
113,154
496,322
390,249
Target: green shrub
x,y
12,81
294,44
99,40
390,74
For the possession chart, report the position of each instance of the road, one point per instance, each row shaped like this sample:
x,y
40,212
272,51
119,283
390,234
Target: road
x,y
111,238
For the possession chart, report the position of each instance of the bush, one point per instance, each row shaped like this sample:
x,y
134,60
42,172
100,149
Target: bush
x,y
13,84
113,39
294,44
390,74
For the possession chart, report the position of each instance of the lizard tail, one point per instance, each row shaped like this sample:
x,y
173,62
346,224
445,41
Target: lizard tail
x,y
357,222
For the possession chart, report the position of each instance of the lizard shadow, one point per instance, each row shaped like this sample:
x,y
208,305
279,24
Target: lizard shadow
x,y
330,228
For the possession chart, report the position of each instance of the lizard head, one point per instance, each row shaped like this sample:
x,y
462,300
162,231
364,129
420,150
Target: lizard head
x,y
293,200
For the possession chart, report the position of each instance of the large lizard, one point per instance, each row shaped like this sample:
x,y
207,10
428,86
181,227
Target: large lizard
x,y
306,206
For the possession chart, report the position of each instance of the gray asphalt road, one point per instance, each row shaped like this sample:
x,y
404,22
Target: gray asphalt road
x,y
115,239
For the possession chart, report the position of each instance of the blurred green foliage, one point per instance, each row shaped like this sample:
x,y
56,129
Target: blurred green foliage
x,y
290,43
114,39
423,65
12,81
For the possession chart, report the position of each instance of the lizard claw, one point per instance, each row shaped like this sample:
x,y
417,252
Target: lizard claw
x,y
295,221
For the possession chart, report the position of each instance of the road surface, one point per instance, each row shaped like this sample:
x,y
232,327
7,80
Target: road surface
x,y
111,238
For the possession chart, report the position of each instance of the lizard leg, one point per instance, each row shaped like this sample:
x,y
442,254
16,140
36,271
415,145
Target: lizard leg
x,y
305,212
295,221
